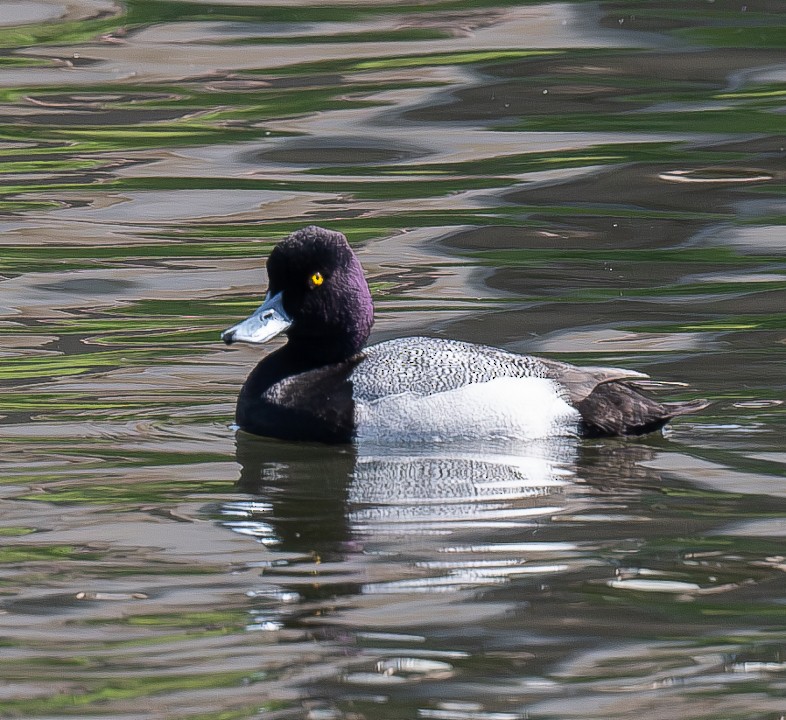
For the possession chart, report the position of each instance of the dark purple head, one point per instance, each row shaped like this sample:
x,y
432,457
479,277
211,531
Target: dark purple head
x,y
323,291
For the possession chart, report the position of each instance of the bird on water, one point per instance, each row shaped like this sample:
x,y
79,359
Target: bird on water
x,y
326,385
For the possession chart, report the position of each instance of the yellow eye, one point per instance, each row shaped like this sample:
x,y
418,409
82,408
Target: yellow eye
x,y
316,280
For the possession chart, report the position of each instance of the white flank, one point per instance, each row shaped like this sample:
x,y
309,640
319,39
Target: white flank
x,y
522,408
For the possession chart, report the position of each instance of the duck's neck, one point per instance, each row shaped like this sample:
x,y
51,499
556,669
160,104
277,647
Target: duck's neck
x,y
312,351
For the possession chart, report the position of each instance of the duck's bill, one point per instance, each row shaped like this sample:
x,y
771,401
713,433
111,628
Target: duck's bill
x,y
269,320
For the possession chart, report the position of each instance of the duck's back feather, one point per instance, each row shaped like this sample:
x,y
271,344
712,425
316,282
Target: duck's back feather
x,y
427,366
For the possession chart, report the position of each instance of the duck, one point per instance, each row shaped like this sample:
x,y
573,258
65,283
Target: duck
x,y
326,385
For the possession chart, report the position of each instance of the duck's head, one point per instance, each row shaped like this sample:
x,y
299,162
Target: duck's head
x,y
317,294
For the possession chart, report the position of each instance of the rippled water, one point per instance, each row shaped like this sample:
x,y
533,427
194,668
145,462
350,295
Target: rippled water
x,y
602,183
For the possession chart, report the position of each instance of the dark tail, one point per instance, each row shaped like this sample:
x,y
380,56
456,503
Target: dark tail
x,y
616,408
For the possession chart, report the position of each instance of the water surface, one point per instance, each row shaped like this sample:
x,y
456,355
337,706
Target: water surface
x,y
601,183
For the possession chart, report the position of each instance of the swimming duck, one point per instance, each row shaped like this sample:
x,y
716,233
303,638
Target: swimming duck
x,y
325,385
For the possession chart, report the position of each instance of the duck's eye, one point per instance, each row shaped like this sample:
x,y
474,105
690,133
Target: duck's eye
x,y
316,280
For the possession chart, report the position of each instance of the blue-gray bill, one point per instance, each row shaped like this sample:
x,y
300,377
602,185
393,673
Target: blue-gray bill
x,y
269,320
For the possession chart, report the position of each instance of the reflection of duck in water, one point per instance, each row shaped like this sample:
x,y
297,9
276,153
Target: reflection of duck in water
x,y
367,519
454,488
379,519
324,385
368,492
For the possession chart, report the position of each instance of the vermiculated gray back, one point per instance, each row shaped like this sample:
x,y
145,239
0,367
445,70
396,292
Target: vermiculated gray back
x,y
426,366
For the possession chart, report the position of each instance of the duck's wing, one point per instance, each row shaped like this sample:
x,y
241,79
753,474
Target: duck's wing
x,y
580,382
611,402
608,399
616,408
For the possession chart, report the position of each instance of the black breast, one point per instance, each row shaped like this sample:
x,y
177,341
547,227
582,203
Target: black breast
x,y
310,405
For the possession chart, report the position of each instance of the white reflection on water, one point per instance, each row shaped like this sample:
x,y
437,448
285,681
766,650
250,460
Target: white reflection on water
x,y
446,503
